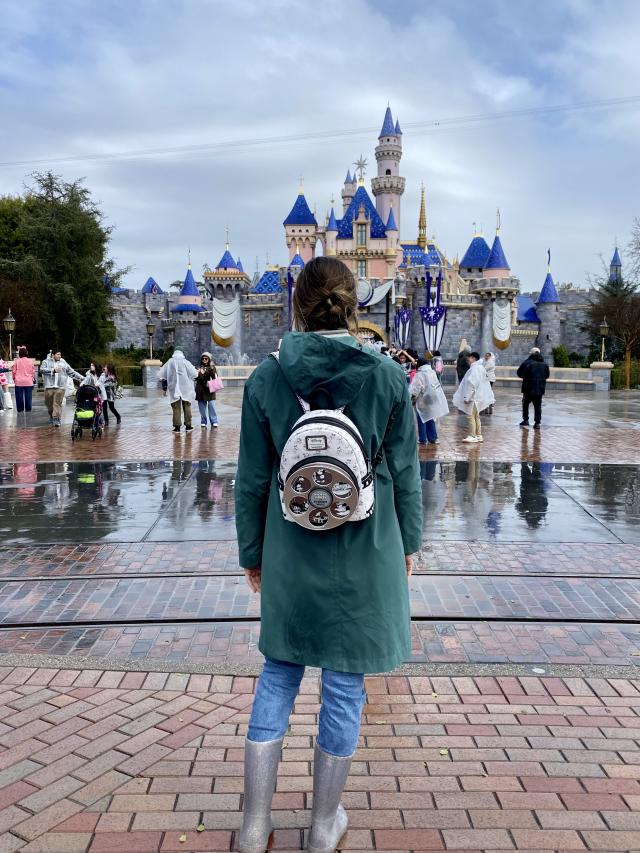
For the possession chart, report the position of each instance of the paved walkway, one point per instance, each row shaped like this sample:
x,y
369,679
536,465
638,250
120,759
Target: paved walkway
x,y
146,762
121,602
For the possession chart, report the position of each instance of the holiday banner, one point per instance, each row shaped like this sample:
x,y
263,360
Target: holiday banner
x,y
433,314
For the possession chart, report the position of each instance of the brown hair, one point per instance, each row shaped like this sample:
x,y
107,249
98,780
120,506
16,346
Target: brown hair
x,y
325,297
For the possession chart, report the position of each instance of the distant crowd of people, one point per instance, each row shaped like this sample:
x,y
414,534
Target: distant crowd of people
x,y
474,395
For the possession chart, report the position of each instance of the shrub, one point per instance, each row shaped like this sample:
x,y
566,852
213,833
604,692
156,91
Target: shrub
x,y
561,357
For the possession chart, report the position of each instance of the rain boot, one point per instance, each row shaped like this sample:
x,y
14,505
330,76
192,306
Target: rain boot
x,y
260,775
328,818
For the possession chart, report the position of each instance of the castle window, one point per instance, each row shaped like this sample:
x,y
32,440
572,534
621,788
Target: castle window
x,y
361,235
388,172
362,269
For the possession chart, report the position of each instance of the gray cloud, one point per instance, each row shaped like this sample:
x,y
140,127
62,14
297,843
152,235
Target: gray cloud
x,y
79,78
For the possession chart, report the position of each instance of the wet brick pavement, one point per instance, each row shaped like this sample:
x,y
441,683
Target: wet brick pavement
x,y
198,598
147,762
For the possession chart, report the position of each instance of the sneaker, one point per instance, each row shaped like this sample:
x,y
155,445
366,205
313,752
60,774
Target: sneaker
x,y
422,442
50,421
536,426
434,442
470,439
479,438
214,426
56,423
188,428
524,423
203,426
176,429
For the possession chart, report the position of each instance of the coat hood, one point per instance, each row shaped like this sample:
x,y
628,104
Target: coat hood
x,y
536,356
328,372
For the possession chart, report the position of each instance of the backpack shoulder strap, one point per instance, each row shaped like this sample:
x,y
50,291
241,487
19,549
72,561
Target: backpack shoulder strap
x,y
303,403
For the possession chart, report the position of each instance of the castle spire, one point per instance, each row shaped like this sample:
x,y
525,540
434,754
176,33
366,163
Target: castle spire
x,y
422,221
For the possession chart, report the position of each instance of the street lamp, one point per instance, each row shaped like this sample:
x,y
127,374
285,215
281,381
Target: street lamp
x,y
151,328
604,331
10,326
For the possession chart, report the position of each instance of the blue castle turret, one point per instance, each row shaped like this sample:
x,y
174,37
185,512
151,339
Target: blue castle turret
x,y
615,268
548,311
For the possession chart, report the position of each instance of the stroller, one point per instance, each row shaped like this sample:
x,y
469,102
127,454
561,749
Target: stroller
x,y
88,413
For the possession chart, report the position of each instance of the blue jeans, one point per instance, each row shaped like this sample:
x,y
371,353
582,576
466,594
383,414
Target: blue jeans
x,y
426,431
211,408
342,698
24,395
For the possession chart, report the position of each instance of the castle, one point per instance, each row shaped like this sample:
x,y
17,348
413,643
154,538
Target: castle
x,y
408,290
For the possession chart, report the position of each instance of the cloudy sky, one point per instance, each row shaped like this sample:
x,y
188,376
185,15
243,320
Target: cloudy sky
x,y
81,78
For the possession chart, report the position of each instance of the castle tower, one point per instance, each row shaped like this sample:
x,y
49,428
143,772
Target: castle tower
x,y
348,190
190,298
393,240
548,310
388,186
475,258
615,268
300,228
331,235
497,266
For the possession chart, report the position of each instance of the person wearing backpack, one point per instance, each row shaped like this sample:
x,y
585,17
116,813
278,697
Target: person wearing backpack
x,y
328,514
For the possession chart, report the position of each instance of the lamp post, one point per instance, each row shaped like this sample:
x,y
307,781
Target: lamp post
x,y
151,328
10,326
604,331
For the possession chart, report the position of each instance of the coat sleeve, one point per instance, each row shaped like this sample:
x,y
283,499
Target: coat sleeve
x,y
253,481
547,372
401,453
521,370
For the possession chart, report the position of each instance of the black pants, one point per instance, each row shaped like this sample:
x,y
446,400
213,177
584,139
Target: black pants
x,y
105,412
536,399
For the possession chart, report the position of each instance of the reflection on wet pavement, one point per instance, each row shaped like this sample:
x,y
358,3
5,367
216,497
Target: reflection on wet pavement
x,y
190,501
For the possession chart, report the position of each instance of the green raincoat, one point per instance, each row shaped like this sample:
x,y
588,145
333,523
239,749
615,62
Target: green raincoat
x,y
339,598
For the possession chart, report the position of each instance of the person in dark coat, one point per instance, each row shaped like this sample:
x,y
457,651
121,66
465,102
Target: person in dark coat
x,y
337,599
534,372
205,397
462,363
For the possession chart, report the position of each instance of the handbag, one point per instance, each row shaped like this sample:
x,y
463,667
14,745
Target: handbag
x,y
215,385
70,388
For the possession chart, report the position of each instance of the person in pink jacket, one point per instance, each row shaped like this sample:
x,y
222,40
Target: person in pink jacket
x,y
24,375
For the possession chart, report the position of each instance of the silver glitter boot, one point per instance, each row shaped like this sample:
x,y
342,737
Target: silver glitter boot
x,y
260,775
328,818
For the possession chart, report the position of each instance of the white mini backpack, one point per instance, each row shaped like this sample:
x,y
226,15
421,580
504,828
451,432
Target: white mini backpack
x,y
325,477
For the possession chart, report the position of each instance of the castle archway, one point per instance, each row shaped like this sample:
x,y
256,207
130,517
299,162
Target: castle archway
x,y
367,326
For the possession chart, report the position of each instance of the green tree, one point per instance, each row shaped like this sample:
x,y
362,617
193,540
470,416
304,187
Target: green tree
x,y
53,267
618,301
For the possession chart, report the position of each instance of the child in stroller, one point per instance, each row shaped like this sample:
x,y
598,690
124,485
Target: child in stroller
x,y
88,412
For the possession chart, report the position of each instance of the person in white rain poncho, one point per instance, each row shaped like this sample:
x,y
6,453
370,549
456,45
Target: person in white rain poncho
x,y
473,395
177,376
430,401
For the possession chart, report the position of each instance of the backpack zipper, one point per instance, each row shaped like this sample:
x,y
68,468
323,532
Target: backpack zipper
x,y
328,420
326,460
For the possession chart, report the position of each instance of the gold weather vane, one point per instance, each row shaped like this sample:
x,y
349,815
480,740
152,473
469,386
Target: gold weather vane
x,y
497,222
189,257
227,237
361,167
